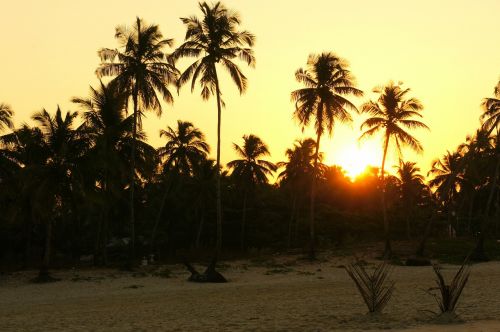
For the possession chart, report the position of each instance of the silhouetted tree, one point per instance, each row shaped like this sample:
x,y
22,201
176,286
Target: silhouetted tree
x,y
142,70
216,40
327,80
392,114
250,171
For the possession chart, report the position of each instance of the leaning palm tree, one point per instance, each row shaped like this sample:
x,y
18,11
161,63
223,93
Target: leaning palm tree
x,y
411,184
392,114
142,70
5,116
327,81
250,171
215,40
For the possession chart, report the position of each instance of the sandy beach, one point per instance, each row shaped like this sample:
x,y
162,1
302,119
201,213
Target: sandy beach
x,y
282,294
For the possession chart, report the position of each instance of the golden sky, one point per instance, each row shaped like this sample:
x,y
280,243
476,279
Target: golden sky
x,y
447,52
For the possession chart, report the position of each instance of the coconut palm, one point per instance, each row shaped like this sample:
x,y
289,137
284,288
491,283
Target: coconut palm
x,y
216,41
250,171
143,70
185,148
411,184
393,114
491,121
491,114
6,114
297,172
327,81
108,130
54,179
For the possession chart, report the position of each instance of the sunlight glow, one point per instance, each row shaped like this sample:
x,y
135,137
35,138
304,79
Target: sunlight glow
x,y
355,158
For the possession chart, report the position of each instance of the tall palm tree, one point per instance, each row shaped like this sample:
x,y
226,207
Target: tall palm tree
x,y
327,80
250,171
6,114
393,115
142,70
411,184
215,40
184,150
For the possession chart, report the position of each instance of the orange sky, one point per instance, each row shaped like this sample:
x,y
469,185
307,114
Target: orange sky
x,y
447,52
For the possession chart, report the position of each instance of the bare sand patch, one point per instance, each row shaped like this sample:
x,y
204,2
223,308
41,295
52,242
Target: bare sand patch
x,y
289,295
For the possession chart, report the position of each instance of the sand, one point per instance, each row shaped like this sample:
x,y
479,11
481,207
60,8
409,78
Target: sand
x,y
283,294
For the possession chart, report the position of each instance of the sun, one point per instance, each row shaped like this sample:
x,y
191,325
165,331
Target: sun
x,y
355,158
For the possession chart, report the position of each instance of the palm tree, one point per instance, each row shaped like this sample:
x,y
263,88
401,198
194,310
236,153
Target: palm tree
x,y
327,80
491,114
185,148
53,180
6,114
109,132
491,121
411,184
392,114
142,70
298,171
216,40
250,171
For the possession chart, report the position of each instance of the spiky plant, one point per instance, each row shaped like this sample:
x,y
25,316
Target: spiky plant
x,y
375,287
449,294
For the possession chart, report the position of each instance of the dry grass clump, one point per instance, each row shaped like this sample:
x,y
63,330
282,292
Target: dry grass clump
x,y
374,287
449,294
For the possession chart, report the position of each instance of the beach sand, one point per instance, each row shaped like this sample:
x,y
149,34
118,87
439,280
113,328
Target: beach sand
x,y
281,294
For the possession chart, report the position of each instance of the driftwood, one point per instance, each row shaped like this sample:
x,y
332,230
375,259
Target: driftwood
x,y
210,274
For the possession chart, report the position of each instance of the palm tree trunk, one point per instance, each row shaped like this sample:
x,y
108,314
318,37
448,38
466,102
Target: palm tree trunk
x,y
387,250
158,216
421,247
200,229
479,252
132,179
218,244
44,269
290,223
243,221
312,235
409,213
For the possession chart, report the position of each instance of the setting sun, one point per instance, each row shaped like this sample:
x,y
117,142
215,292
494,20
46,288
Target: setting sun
x,y
356,157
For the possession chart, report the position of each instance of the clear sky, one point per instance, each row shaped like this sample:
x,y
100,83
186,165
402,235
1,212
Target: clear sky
x,y
447,52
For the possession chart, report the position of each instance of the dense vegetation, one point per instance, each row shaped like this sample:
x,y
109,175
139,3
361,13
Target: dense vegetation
x,y
88,183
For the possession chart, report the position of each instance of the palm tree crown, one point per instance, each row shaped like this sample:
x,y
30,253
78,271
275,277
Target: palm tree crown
x,y
5,116
142,67
250,168
326,81
185,147
491,115
393,114
217,40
